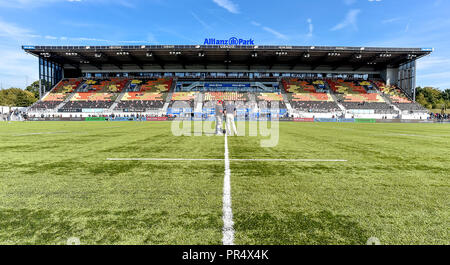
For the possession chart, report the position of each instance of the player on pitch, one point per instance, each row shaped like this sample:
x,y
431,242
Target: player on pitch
x,y
230,112
219,118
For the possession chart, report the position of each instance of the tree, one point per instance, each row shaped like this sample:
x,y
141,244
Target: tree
x,y
34,88
16,97
446,95
432,98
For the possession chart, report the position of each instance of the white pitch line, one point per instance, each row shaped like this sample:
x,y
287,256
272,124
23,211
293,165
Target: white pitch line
x,y
228,231
163,159
39,133
220,159
288,160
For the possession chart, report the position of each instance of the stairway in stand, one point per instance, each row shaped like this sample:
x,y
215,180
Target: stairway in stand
x,y
333,96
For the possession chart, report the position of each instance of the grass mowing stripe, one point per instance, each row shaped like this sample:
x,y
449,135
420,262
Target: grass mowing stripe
x,y
228,231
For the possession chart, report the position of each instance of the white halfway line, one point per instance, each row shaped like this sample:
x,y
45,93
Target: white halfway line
x,y
219,159
228,231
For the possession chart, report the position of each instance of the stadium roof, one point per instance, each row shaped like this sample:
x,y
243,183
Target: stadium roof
x,y
208,57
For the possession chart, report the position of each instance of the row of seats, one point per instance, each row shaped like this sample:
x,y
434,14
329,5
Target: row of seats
x,y
394,93
91,96
315,106
77,106
159,85
112,85
66,86
270,97
183,96
294,85
359,95
372,97
309,95
139,105
44,105
350,87
224,96
142,96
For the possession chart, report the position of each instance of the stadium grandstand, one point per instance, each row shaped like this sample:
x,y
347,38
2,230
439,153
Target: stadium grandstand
x,y
169,80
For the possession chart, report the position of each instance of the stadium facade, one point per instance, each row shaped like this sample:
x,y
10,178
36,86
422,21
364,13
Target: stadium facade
x,y
305,80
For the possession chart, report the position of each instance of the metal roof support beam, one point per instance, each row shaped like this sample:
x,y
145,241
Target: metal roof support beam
x,y
158,61
298,60
139,63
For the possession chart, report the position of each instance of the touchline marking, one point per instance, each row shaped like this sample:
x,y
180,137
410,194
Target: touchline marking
x,y
228,231
233,160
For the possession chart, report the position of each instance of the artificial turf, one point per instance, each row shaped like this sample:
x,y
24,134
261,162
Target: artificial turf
x,y
55,183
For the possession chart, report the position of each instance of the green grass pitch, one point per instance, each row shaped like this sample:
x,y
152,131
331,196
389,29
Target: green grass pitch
x,y
55,183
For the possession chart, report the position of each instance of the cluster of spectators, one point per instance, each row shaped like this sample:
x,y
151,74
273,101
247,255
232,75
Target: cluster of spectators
x,y
439,116
14,115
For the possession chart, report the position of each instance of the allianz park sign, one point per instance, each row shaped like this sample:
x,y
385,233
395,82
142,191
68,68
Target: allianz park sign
x,y
230,41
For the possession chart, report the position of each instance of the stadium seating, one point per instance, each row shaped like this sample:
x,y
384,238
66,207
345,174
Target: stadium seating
x,y
78,106
360,95
142,94
66,86
140,101
139,105
159,85
91,96
131,96
89,100
234,96
295,85
315,106
183,96
57,95
398,98
113,85
269,97
394,94
309,95
45,105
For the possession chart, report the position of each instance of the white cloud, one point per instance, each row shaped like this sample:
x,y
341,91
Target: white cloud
x,y
203,23
228,5
12,30
275,33
433,62
349,21
310,28
272,31
349,2
391,20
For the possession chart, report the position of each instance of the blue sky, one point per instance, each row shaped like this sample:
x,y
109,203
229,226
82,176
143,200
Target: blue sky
x,y
386,23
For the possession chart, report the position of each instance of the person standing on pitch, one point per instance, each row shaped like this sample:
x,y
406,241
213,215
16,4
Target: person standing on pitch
x,y
219,118
230,112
